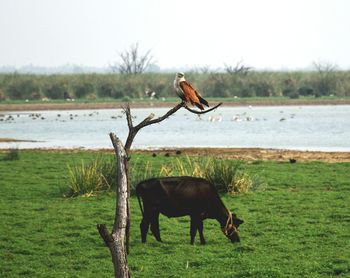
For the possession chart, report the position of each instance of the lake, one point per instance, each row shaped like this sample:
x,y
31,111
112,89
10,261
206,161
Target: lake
x,y
323,128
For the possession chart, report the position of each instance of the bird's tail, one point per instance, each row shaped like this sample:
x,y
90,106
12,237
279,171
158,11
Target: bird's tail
x,y
203,101
200,106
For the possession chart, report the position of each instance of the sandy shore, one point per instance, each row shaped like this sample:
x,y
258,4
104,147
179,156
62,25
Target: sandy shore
x,y
147,104
247,154
252,154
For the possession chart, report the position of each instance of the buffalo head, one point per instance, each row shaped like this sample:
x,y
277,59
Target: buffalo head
x,y
231,228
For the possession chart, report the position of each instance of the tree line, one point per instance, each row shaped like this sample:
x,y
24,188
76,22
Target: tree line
x,y
233,83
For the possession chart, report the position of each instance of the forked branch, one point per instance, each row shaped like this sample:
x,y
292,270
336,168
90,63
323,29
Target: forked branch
x,y
149,120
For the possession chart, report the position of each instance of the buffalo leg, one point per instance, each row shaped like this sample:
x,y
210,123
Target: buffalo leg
x,y
200,230
155,226
194,226
144,228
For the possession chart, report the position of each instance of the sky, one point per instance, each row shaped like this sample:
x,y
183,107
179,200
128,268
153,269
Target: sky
x,y
264,34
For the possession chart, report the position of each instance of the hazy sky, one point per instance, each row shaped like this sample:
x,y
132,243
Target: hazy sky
x,y
272,34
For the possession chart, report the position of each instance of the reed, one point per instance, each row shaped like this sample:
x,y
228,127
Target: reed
x,y
100,175
99,87
88,179
11,154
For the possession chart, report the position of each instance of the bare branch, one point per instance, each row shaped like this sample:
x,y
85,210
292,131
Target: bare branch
x,y
126,109
324,67
159,119
204,111
105,235
148,121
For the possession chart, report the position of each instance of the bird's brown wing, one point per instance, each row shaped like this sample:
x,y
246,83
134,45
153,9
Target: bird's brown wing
x,y
190,94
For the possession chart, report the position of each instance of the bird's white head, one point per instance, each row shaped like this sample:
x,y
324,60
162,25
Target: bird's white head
x,y
180,75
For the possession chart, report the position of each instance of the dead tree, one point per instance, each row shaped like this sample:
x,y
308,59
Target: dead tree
x,y
118,240
132,61
239,68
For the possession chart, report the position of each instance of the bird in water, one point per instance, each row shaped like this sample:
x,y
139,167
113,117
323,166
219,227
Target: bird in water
x,y
187,93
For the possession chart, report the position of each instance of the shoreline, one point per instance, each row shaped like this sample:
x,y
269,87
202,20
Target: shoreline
x,y
159,104
246,154
249,154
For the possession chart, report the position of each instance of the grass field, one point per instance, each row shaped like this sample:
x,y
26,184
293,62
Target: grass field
x,y
298,227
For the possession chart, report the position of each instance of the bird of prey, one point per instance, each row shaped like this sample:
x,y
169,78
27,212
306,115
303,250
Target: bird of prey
x,y
187,93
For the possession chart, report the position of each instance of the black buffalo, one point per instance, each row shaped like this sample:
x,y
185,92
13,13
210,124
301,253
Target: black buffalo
x,y
180,196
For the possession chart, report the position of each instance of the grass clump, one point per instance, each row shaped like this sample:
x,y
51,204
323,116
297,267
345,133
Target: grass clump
x,y
228,176
12,154
88,179
140,170
224,175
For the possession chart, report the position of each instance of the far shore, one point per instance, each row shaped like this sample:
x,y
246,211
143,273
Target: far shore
x,y
157,103
246,154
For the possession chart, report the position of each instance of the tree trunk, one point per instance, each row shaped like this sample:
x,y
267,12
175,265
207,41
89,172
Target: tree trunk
x,y
116,240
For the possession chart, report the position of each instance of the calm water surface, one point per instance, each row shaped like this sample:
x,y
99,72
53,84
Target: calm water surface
x,y
325,128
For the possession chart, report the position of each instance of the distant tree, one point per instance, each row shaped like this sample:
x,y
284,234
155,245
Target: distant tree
x,y
326,82
239,68
83,89
306,91
2,96
23,88
55,90
289,88
132,61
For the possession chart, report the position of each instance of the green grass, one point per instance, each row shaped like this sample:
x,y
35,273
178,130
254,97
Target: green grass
x,y
298,227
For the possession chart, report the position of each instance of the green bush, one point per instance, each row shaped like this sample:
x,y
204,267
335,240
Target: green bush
x,y
55,90
293,94
88,179
12,154
223,173
83,89
101,175
23,89
209,84
140,170
105,90
306,91
228,176
2,96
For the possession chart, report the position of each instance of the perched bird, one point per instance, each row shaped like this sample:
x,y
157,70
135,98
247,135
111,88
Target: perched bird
x,y
186,92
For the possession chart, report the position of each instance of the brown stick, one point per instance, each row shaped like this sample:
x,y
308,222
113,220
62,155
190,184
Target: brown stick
x,y
203,111
147,121
116,240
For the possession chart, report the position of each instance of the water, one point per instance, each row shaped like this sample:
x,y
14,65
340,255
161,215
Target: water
x,y
325,128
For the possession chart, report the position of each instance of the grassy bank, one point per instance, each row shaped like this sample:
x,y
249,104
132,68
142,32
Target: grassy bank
x,y
169,102
124,87
298,227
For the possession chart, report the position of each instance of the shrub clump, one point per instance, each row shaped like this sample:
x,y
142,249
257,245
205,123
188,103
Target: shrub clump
x,y
228,176
88,179
100,175
12,154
